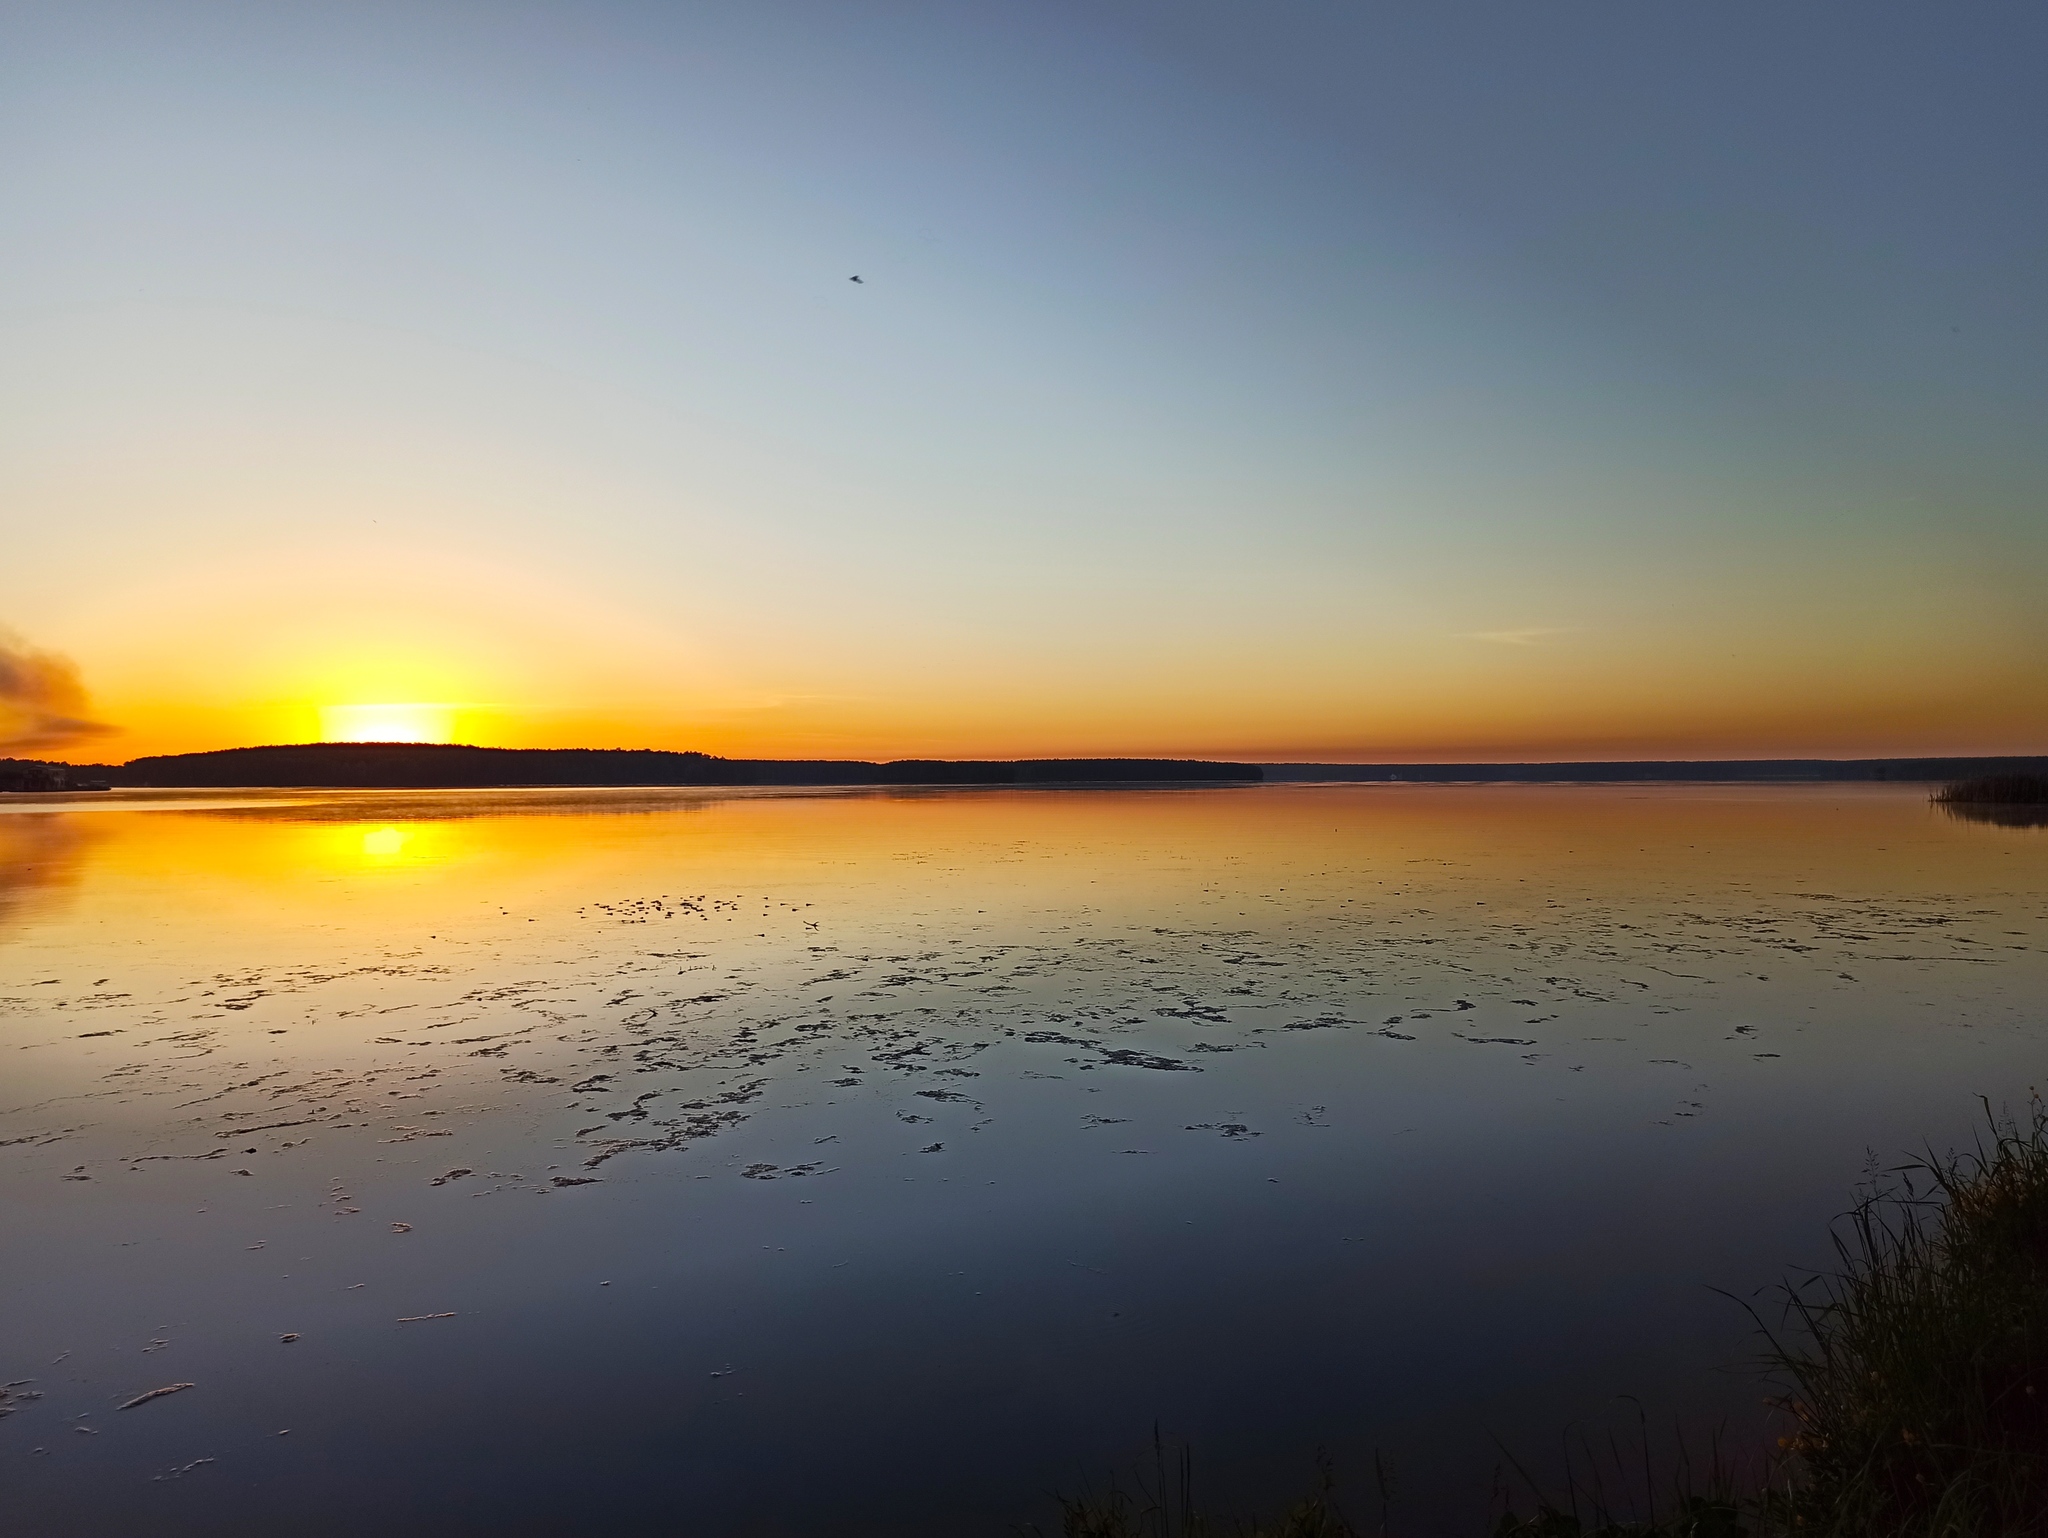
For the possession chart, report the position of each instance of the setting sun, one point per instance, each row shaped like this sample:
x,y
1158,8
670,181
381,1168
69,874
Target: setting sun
x,y
385,723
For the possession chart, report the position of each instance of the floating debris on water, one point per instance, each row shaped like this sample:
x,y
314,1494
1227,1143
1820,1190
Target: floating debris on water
x,y
155,1393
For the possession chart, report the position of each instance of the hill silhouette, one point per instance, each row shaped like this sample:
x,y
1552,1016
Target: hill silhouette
x,y
432,766
438,766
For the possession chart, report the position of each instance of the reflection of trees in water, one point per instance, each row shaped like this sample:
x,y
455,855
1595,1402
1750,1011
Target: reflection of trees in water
x,y
2009,814
40,855
376,807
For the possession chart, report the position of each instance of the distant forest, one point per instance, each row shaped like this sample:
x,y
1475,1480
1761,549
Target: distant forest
x,y
424,766
420,766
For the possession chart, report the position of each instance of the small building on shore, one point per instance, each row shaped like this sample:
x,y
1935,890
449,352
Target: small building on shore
x,y
29,774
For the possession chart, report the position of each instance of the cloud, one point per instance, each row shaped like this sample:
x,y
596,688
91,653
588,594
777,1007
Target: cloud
x,y
1528,637
42,702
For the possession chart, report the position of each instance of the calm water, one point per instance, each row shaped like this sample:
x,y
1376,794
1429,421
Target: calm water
x,y
678,1163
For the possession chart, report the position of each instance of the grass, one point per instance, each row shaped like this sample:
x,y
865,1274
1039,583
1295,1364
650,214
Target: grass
x,y
1918,1368
1915,1379
1163,1506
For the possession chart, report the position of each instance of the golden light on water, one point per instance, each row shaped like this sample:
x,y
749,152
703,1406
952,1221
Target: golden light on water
x,y
372,847
386,723
384,843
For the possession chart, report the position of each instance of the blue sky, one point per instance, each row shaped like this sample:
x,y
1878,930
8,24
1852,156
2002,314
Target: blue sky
x,y
1293,380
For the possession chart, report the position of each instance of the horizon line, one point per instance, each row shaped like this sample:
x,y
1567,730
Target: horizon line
x,y
1286,763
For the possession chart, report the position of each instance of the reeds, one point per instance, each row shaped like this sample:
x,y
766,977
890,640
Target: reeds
x,y
1919,1367
1916,1379
1602,1486
1163,1506
1995,790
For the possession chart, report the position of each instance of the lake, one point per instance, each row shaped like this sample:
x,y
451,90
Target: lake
x,y
699,1162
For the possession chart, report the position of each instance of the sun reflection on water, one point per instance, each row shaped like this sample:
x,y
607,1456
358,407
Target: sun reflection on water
x,y
372,846
385,843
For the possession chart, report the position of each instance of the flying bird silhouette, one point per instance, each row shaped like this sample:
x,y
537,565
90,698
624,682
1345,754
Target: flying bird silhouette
x,y
854,279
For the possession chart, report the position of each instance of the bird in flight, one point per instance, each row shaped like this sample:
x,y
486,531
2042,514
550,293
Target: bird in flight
x,y
854,279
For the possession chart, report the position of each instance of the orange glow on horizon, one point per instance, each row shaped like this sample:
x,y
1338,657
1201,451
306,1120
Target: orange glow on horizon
x,y
1240,729
459,650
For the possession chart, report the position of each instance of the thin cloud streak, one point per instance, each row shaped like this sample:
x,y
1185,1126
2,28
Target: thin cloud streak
x,y
1528,637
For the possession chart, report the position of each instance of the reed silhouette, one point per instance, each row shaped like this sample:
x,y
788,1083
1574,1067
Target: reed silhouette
x,y
1913,1374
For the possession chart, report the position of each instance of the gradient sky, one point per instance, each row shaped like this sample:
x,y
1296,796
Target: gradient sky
x,y
1277,381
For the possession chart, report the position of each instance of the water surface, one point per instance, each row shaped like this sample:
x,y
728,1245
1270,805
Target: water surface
x,y
656,1162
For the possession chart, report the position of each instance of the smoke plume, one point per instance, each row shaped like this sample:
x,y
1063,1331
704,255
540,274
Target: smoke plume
x,y
42,702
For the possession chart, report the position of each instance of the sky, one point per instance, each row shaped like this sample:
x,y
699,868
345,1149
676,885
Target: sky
x,y
1283,381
